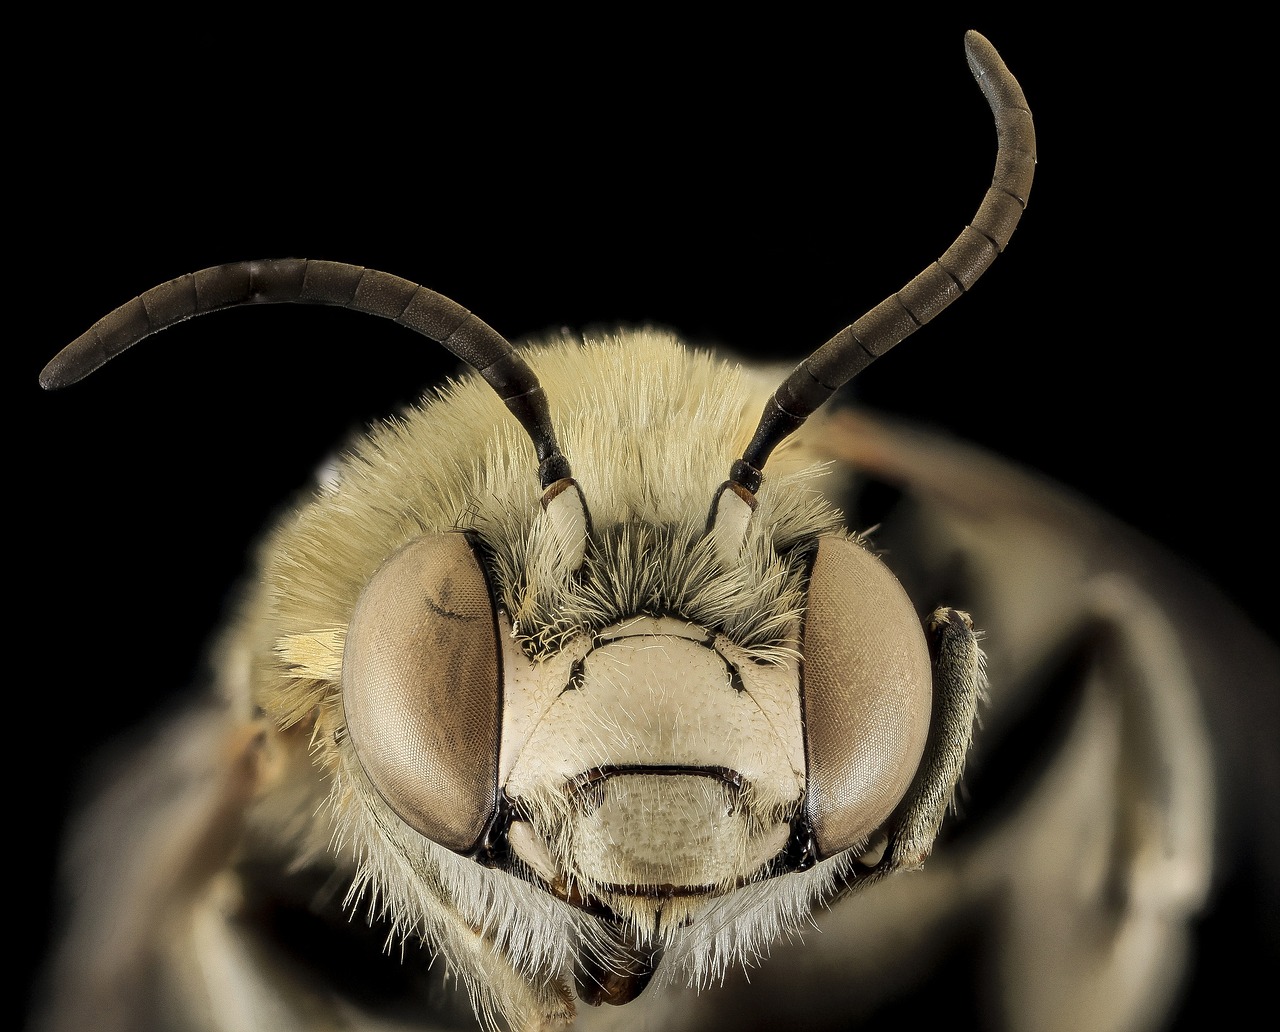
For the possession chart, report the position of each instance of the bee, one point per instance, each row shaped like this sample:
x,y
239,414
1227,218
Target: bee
x,y
617,956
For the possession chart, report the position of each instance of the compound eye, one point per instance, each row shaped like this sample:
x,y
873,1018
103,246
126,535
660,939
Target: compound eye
x,y
421,688
867,694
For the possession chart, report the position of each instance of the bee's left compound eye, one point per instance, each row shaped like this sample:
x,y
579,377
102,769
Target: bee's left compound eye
x,y
867,694
421,688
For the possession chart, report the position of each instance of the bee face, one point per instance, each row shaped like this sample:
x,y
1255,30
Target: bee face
x,y
655,724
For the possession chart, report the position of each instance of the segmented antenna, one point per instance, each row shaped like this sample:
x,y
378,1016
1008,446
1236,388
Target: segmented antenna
x,y
898,316
324,283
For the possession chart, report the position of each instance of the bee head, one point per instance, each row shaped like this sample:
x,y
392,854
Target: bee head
x,y
661,721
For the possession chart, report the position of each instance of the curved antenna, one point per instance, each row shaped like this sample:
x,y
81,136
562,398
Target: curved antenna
x,y
324,283
898,316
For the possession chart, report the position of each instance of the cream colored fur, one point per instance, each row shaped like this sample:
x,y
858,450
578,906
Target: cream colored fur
x,y
650,429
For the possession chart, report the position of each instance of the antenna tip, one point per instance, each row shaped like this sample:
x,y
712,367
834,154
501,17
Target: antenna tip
x,y
73,363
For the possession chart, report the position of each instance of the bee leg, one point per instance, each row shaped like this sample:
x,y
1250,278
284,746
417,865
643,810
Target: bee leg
x,y
1102,868
151,859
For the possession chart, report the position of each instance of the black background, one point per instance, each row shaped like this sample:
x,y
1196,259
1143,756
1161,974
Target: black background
x,y
758,186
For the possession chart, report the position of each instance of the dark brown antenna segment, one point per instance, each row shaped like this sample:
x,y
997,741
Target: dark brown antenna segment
x,y
323,283
858,345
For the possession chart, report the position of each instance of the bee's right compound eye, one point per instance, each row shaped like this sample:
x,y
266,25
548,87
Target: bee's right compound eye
x,y
421,688
868,693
